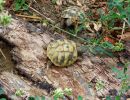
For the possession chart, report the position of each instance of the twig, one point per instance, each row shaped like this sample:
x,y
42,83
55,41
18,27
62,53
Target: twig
x,y
2,54
123,29
126,21
118,28
33,17
50,20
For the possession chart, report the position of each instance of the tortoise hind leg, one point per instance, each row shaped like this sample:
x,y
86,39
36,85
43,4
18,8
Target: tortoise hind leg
x,y
49,64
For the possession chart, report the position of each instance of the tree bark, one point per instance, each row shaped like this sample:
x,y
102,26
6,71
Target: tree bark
x,y
30,54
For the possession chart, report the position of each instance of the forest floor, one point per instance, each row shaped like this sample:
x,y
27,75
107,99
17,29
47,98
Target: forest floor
x,y
24,65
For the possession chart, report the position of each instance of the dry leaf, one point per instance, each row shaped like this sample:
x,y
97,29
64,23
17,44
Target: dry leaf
x,y
84,8
70,2
97,26
78,3
87,24
59,2
108,39
125,37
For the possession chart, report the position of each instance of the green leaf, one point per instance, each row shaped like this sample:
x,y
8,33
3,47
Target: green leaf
x,y
115,70
108,98
128,13
99,85
117,98
20,4
3,99
110,4
128,87
68,91
5,19
53,1
120,73
17,6
80,98
37,98
107,45
56,98
80,28
59,93
19,92
1,4
31,98
1,91
129,19
25,7
102,51
43,98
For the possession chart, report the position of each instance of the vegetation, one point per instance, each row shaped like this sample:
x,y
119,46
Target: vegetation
x,y
20,5
2,92
118,12
125,83
1,4
59,93
19,92
5,18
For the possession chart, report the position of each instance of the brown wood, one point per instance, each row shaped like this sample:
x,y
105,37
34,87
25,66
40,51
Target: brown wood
x,y
29,53
12,83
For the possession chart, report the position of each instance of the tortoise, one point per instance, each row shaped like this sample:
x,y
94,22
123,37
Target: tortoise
x,y
72,16
62,52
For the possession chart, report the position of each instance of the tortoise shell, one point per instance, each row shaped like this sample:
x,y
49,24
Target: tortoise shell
x,y
62,52
73,15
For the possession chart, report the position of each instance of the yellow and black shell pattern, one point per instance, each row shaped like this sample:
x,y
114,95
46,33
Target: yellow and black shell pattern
x,y
62,52
73,13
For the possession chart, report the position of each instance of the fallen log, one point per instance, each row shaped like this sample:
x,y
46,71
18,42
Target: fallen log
x,y
12,83
29,53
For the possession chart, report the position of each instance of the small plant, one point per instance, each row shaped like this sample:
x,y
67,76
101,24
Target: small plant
x,y
19,92
59,93
99,85
106,47
20,4
45,23
5,18
54,1
123,76
1,93
80,98
68,91
118,10
125,84
118,46
1,4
